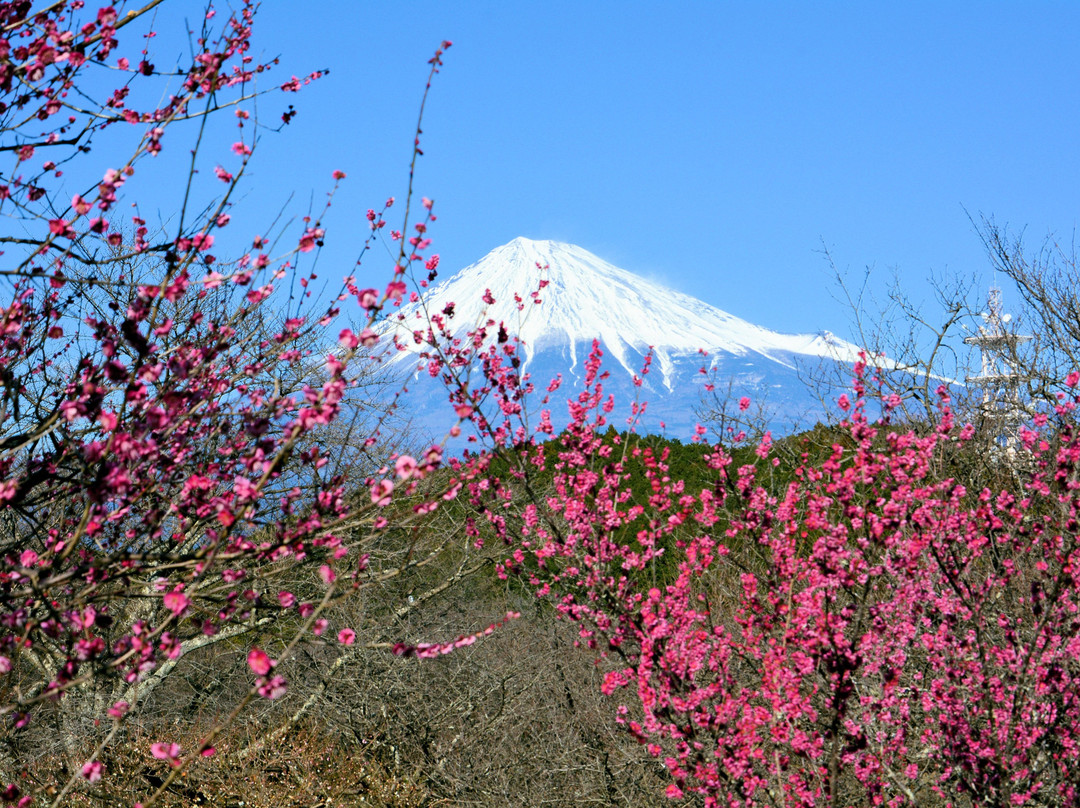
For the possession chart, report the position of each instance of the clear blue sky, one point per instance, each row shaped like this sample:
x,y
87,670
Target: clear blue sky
x,y
711,145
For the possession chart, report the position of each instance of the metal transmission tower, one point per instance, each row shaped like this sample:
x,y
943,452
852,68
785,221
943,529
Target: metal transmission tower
x,y
1002,409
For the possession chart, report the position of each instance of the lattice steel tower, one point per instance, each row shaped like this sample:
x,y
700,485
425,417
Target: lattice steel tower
x,y
1002,407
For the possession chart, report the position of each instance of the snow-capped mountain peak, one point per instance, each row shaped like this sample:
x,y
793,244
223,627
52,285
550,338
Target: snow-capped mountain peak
x,y
580,297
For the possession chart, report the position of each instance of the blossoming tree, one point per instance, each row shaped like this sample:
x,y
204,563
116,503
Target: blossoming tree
x,y
857,628
167,484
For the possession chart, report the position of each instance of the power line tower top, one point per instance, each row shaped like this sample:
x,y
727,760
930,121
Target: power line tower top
x,y
1000,378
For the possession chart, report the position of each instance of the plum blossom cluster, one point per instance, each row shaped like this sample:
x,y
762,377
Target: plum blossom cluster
x,y
162,409
870,633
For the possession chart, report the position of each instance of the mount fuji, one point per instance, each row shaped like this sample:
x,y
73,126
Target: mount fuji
x,y
586,298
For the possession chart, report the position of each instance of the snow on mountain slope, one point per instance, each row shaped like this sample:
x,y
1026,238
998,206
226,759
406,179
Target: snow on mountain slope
x,y
586,298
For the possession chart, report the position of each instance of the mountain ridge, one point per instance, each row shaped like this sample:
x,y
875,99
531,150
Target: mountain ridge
x,y
583,297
